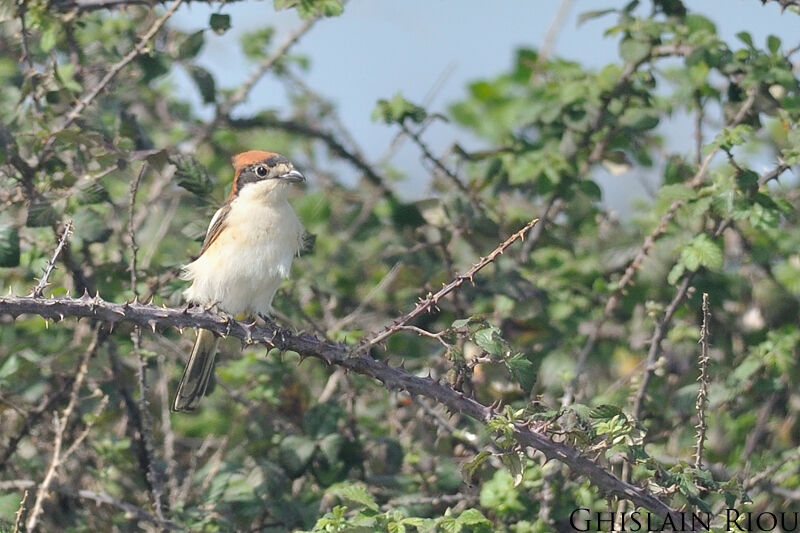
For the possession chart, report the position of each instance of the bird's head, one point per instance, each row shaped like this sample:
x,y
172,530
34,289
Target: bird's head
x,y
263,174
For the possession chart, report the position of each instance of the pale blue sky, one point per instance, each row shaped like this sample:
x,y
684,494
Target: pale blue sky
x,y
379,47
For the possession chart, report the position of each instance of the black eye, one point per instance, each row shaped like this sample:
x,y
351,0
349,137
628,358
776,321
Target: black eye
x,y
261,171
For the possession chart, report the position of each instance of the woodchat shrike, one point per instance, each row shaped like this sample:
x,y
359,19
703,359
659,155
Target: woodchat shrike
x,y
248,250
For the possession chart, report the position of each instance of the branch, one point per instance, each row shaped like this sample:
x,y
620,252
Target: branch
x,y
38,292
97,497
702,393
432,300
333,354
60,425
237,97
83,6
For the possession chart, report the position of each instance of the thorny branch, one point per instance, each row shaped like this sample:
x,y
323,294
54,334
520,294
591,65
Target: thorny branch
x,y
334,354
38,292
702,393
433,299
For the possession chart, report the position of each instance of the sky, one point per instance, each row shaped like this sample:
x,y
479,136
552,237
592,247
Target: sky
x,y
380,47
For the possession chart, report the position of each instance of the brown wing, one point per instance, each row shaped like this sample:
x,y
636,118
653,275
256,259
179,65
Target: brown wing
x,y
218,223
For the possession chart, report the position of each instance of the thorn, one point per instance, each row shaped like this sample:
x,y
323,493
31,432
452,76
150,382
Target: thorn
x,y
85,294
46,323
111,327
135,299
180,329
402,363
150,302
152,324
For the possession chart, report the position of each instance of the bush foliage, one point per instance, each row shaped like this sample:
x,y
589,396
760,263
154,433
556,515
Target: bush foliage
x,y
585,333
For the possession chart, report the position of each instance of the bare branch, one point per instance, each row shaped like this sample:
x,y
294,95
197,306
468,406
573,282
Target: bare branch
x,y
433,299
97,497
43,282
60,426
334,354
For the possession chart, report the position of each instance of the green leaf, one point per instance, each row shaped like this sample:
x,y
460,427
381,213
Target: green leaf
x,y
469,468
40,214
192,45
597,13
398,110
93,192
205,83
746,38
49,37
354,492
490,340
460,323
523,370
473,517
702,251
219,23
322,419
606,412
634,50
774,44
92,225
191,175
295,453
9,246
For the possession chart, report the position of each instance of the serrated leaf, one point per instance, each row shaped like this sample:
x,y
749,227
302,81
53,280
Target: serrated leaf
x,y
490,340
461,322
219,22
191,175
606,412
473,517
9,246
40,214
469,468
93,192
523,370
354,492
702,251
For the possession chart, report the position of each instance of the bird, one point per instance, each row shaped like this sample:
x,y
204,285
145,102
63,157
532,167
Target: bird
x,y
248,249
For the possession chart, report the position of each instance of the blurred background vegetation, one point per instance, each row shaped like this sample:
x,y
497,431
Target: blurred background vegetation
x,y
587,331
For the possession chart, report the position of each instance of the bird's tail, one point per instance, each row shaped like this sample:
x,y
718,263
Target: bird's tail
x,y
197,372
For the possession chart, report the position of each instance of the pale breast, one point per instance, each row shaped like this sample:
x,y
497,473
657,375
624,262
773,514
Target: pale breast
x,y
243,267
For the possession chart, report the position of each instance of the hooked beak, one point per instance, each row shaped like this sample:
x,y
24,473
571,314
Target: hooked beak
x,y
293,176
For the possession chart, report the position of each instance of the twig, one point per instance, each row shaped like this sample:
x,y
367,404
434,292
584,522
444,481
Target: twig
x,y
60,426
643,252
20,511
145,428
97,497
347,357
432,300
548,43
62,241
132,230
702,394
224,108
